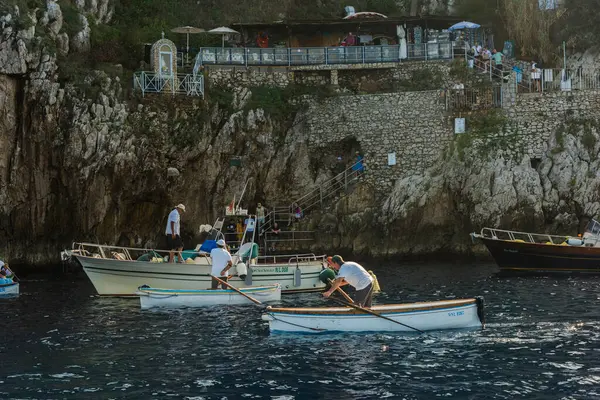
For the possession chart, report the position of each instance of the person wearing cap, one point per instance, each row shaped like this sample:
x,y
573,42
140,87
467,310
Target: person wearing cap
x,y
5,272
221,263
173,232
353,274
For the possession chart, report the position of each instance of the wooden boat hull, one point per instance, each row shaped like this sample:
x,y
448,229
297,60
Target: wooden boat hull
x,y
538,257
9,290
426,316
169,298
122,278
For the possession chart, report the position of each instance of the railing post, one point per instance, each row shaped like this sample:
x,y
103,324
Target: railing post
x,y
363,54
289,56
326,55
425,47
321,195
346,179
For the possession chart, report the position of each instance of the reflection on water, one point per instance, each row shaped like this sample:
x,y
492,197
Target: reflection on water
x,y
541,341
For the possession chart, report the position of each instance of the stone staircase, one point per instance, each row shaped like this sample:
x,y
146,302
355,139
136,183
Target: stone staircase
x,y
294,226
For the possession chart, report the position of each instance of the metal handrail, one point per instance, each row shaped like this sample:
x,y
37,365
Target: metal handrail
x,y
338,182
323,55
516,235
152,82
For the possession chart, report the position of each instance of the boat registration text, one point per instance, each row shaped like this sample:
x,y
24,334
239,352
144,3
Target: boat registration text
x,y
275,269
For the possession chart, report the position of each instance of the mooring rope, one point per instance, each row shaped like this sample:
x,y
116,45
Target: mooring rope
x,y
297,325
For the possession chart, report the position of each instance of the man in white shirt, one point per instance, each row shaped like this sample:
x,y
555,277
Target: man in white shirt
x,y
353,274
221,263
173,233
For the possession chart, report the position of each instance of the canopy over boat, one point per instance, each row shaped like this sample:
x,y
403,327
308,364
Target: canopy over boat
x,y
177,298
411,317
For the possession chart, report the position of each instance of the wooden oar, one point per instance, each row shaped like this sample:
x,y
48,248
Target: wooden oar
x,y
339,289
366,310
238,290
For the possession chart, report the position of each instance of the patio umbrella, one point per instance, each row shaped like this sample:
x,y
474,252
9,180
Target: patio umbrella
x,y
223,30
187,30
464,25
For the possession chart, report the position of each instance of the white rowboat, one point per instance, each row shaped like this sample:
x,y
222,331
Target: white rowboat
x,y
425,316
9,289
169,298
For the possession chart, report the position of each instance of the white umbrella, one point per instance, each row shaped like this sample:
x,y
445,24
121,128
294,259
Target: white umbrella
x,y
187,30
223,30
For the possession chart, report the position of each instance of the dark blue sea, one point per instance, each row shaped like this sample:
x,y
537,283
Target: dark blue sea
x,y
542,341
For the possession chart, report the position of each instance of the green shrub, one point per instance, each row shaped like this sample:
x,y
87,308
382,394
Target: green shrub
x,y
72,23
105,43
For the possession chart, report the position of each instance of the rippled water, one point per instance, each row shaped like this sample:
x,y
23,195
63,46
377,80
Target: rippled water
x,y
542,340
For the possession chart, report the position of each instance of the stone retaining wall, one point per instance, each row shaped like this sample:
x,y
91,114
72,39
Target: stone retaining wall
x,y
359,78
413,125
538,116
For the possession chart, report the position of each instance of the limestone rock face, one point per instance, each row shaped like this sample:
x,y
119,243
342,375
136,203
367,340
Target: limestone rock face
x,y
86,163
434,211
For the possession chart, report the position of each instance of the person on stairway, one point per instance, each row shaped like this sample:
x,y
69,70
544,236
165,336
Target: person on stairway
x,y
296,214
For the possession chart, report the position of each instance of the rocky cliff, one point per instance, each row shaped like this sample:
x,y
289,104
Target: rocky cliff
x,y
85,159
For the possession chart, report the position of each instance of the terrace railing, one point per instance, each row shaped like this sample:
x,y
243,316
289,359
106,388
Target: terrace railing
x,y
325,55
151,82
474,99
556,80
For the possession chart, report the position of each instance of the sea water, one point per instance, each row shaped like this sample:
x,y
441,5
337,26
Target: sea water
x,y
542,340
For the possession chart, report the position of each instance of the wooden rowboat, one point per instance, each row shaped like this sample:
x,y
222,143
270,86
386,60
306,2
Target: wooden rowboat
x,y
176,298
412,317
9,289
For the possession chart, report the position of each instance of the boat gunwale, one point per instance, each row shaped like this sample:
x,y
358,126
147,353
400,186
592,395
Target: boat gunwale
x,y
198,292
304,263
383,309
8,284
299,258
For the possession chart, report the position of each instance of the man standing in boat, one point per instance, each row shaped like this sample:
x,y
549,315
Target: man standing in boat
x,y
173,233
221,263
353,274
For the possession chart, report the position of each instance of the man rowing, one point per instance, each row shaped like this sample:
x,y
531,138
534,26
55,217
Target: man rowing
x,y
221,263
353,274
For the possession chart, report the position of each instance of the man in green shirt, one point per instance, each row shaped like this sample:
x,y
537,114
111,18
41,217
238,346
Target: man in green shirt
x,y
497,57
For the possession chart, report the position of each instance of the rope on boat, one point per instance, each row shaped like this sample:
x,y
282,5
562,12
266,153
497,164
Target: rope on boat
x,y
297,325
161,296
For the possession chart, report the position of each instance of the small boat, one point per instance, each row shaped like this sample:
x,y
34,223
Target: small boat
x,y
535,252
175,298
410,317
9,289
119,271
